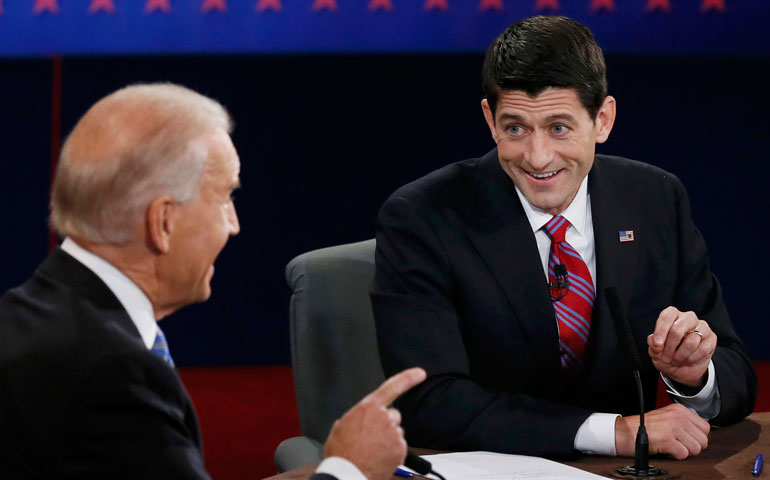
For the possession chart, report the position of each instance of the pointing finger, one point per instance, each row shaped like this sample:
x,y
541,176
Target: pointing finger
x,y
399,383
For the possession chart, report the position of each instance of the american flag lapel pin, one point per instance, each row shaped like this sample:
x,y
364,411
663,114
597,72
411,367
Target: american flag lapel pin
x,y
626,236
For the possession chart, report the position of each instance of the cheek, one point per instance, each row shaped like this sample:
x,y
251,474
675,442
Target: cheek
x,y
219,232
509,153
502,137
581,148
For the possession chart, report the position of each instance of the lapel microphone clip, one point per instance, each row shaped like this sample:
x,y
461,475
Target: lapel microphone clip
x,y
560,287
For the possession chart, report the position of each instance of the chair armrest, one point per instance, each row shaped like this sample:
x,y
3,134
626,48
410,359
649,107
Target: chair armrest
x,y
297,452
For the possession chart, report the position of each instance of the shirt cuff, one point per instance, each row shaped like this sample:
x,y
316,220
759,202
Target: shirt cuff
x,y
596,436
341,468
705,403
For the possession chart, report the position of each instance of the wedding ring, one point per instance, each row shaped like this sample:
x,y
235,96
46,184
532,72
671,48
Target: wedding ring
x,y
696,332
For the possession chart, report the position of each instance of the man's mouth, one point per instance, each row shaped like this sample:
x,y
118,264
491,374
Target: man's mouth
x,y
543,176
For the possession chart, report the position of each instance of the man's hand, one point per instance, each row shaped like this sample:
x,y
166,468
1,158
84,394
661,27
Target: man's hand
x,y
369,434
681,347
672,430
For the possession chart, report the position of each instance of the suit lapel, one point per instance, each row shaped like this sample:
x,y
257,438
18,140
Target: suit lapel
x,y
503,237
615,262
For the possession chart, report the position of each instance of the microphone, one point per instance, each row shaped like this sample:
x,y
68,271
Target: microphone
x,y
420,465
561,284
641,467
562,280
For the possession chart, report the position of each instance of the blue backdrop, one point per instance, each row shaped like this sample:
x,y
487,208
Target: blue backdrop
x,y
75,27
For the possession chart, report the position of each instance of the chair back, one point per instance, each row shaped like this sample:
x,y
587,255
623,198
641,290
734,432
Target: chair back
x,y
333,341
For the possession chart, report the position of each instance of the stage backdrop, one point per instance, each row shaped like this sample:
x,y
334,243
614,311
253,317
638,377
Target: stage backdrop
x,y
325,139
339,102
76,27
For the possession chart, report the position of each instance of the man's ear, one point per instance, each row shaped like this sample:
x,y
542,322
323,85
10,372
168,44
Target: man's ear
x,y
605,119
489,117
160,223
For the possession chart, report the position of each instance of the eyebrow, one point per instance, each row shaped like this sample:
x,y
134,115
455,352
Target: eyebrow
x,y
560,116
511,116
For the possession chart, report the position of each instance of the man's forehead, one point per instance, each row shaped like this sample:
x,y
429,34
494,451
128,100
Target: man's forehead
x,y
556,102
550,96
223,158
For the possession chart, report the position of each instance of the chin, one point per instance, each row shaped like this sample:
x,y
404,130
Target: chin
x,y
201,295
205,295
546,204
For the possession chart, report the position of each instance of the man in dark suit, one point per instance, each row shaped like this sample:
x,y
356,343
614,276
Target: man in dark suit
x,y
87,383
491,275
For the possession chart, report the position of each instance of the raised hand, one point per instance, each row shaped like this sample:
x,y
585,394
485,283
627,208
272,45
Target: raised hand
x,y
370,433
681,347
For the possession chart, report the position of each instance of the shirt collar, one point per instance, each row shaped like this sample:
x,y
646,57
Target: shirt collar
x,y
133,299
575,213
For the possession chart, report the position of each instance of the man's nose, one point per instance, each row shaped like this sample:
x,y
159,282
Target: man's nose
x,y
540,151
235,226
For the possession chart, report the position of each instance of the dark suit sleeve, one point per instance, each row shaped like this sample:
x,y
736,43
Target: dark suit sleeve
x,y
130,424
416,312
698,290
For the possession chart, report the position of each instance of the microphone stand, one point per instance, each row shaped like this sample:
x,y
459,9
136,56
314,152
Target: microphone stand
x,y
641,467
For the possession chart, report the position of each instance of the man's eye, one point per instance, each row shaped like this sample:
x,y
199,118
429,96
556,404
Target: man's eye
x,y
559,129
515,130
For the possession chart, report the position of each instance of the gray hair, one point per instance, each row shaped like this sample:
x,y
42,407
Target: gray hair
x,y
131,147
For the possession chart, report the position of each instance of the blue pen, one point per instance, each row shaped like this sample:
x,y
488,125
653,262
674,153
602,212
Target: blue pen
x,y
757,465
403,473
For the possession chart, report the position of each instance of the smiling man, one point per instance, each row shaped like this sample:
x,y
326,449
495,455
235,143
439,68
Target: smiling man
x,y
88,389
491,272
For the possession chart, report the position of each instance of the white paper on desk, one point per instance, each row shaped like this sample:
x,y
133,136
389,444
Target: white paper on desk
x,y
499,466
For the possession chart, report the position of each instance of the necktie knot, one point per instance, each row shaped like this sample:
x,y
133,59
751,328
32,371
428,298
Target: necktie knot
x,y
160,348
556,228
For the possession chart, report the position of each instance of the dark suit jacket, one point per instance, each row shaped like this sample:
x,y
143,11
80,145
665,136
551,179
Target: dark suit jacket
x,y
460,290
81,396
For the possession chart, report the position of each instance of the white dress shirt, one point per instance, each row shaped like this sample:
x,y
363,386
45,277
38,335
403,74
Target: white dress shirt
x,y
139,308
132,298
597,434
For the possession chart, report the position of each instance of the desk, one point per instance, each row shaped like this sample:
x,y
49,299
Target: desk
x,y
730,454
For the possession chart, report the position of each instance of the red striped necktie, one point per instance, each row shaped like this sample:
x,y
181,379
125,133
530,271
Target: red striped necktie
x,y
573,302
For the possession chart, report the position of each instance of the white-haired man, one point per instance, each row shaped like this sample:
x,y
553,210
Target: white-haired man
x,y
87,385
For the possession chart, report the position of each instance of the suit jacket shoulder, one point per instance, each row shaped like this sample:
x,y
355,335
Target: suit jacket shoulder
x,y
455,186
80,394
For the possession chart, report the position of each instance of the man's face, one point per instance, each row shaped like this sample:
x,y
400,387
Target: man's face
x,y
546,144
201,229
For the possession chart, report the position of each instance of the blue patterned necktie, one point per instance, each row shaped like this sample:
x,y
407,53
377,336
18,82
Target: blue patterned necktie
x,y
160,348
